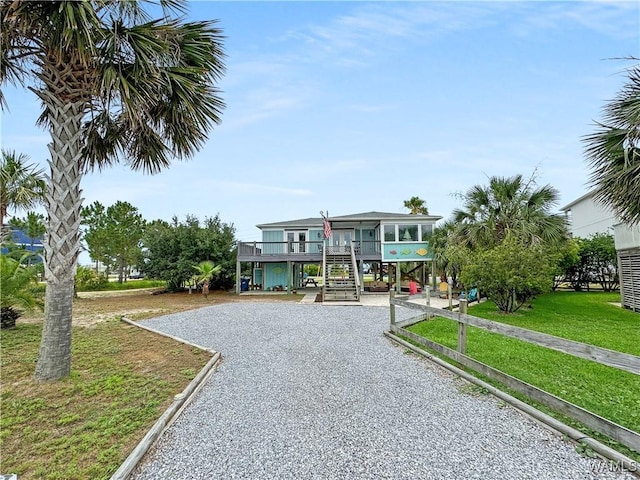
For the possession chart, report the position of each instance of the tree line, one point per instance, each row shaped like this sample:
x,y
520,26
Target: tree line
x,y
120,240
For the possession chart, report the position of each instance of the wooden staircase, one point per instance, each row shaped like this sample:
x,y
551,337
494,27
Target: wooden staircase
x,y
340,276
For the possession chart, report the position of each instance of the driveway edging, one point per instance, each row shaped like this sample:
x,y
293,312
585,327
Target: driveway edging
x,y
180,401
541,417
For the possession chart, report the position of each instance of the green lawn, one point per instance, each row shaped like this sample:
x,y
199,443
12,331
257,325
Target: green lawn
x,y
584,317
581,316
132,285
122,380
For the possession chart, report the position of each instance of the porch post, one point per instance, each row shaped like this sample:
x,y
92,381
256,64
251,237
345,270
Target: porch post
x,y
398,278
238,277
433,274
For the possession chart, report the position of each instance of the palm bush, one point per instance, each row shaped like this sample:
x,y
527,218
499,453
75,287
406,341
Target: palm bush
x,y
17,280
206,271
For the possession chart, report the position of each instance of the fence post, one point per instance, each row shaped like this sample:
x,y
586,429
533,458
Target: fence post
x,y
427,292
450,295
392,307
462,328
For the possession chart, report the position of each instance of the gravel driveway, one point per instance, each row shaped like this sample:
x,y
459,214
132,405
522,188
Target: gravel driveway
x,y
313,391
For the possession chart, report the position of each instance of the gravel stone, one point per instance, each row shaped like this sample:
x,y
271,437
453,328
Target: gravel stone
x,y
317,392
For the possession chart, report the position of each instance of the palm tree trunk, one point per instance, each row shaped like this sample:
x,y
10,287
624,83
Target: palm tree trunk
x,y
62,245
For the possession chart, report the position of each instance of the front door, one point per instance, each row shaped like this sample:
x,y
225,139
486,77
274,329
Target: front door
x,y
296,241
340,240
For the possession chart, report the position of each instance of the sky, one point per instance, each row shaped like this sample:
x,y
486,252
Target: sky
x,y
351,107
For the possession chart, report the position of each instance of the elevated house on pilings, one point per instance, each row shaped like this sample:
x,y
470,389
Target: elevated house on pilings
x,y
381,241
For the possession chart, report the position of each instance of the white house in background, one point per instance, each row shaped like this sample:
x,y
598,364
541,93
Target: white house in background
x,y
586,217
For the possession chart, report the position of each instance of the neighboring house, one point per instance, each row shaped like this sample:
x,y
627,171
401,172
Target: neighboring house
x,y
374,239
586,217
23,241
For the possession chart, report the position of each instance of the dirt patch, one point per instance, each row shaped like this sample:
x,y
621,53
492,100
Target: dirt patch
x,y
91,308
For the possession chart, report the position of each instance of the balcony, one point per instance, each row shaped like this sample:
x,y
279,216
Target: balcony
x,y
302,251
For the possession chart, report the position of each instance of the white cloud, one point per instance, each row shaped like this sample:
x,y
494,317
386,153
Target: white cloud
x,y
254,188
368,33
616,19
263,103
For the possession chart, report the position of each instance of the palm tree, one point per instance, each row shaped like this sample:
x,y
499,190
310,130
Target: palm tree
x,y
21,184
206,271
508,206
115,85
416,206
438,245
613,152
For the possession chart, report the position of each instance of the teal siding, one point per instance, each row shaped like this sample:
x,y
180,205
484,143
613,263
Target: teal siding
x,y
273,236
275,274
257,276
367,234
316,240
313,235
369,243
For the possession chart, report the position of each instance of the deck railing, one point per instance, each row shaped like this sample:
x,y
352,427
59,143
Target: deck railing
x,y
256,249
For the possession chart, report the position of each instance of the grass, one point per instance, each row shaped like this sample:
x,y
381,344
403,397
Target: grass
x,y
584,317
132,285
86,425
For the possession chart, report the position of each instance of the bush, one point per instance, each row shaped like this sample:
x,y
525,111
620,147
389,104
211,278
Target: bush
x,y
88,280
312,270
16,280
511,273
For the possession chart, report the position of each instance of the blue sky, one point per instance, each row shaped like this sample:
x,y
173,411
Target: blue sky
x,y
355,106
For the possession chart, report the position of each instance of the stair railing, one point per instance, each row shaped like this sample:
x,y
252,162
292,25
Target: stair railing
x,y
355,270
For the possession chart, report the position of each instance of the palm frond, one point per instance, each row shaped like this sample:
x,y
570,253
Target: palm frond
x,y
613,152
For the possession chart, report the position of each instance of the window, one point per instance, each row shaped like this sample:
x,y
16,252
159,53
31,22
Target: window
x,y
389,233
408,233
426,231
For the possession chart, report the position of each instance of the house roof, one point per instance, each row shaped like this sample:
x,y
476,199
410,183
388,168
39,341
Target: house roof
x,y
303,222
20,238
356,217
578,200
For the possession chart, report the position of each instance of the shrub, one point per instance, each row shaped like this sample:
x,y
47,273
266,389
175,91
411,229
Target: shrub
x,y
511,273
88,279
16,280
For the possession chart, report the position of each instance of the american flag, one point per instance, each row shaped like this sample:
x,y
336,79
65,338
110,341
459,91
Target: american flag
x,y
327,227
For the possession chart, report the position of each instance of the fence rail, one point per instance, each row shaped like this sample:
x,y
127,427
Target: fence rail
x,y
619,360
622,361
